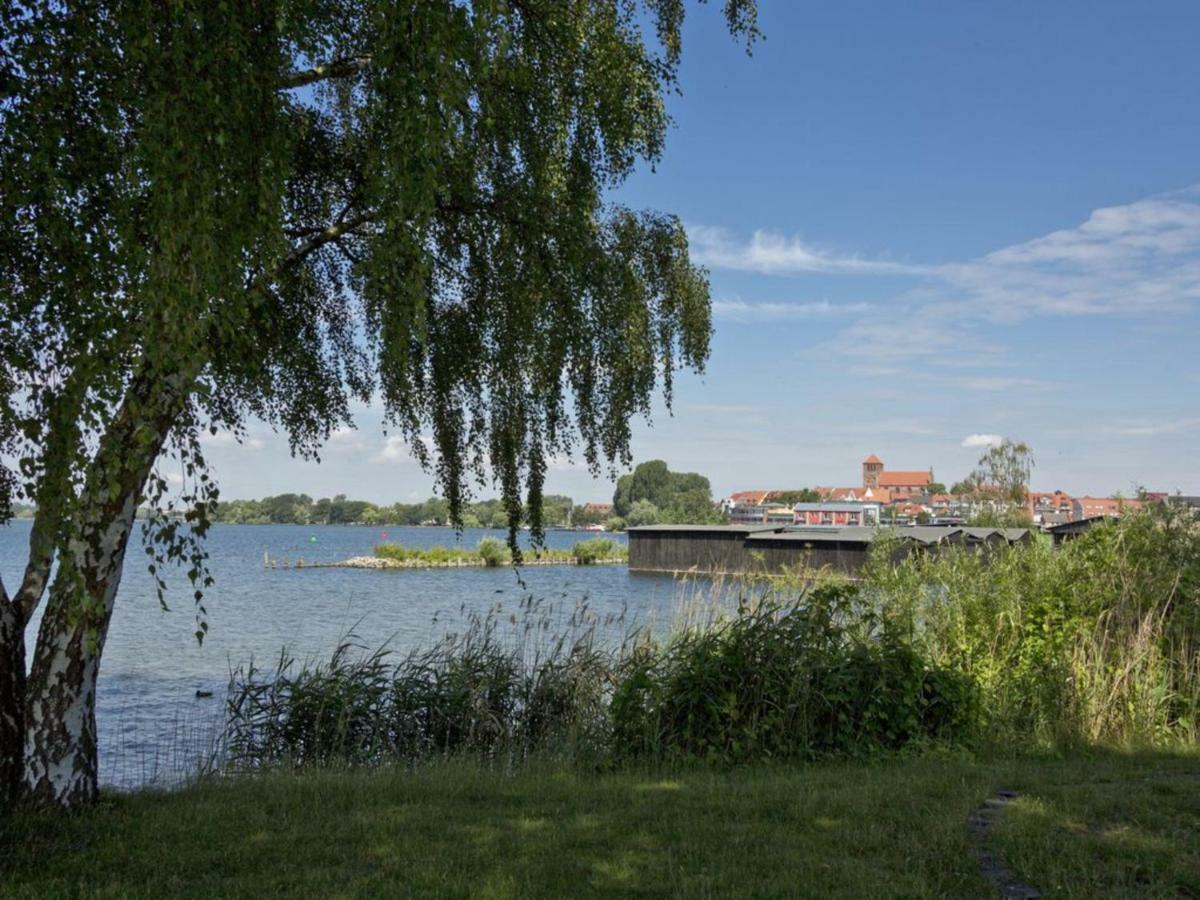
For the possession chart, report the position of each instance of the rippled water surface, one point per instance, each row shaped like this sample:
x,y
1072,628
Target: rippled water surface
x,y
150,719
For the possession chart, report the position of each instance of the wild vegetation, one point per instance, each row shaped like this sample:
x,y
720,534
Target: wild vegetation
x,y
493,552
1097,641
1023,647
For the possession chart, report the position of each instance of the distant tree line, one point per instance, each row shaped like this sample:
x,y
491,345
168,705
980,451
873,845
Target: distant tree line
x,y
301,509
650,494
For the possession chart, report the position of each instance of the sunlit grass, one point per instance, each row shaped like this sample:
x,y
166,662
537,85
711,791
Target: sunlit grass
x,y
1108,826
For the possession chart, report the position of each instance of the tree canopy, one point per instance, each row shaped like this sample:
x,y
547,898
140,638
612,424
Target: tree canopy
x,y
653,493
1003,472
273,209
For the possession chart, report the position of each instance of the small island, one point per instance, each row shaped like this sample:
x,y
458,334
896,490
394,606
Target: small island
x,y
488,553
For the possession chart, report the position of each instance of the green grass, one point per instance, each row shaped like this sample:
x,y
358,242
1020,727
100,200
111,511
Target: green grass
x,y
1108,826
1108,837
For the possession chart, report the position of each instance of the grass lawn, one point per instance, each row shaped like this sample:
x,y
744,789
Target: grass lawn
x,y
1109,825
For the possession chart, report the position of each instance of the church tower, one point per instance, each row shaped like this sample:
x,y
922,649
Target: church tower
x,y
872,469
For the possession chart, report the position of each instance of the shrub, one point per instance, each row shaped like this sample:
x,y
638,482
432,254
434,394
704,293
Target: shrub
x,y
430,555
588,552
392,551
329,713
494,552
786,679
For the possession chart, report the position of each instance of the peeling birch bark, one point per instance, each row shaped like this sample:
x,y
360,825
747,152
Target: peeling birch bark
x,y
61,763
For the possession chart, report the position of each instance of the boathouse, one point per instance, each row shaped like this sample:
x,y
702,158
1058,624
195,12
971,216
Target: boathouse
x,y
772,550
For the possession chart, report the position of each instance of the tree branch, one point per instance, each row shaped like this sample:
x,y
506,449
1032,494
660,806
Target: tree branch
x,y
320,239
338,68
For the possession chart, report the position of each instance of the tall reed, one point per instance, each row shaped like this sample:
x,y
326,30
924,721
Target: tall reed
x,y
501,687
1096,641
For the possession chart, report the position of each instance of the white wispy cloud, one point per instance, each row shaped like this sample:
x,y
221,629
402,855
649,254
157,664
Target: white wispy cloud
x,y
1139,257
1001,383
561,463
1152,429
393,451
1136,259
979,441
775,254
905,336
737,310
346,437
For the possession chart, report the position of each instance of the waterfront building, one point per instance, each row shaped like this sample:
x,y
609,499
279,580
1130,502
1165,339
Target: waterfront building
x,y
838,515
1099,507
761,514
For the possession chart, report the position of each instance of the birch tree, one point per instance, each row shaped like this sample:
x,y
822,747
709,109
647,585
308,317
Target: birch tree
x,y
212,212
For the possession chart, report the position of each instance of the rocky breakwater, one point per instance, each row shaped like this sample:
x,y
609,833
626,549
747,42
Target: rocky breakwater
x,y
382,563
375,562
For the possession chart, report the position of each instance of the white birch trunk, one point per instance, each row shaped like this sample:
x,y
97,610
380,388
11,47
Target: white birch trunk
x,y
61,762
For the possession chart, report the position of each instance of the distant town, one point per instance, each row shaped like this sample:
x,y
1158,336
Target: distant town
x,y
912,497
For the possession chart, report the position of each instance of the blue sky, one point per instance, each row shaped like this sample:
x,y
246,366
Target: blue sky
x,y
927,223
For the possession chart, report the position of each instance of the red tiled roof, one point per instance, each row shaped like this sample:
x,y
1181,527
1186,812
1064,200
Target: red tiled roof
x,y
873,460
1104,506
903,479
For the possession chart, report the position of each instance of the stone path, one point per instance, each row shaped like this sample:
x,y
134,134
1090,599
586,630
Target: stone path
x,y
991,864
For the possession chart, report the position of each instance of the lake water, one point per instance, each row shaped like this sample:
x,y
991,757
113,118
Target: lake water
x,y
151,723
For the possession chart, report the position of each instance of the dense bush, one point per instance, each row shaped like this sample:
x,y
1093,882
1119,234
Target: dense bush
x,y
431,555
587,553
1095,641
811,677
494,552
